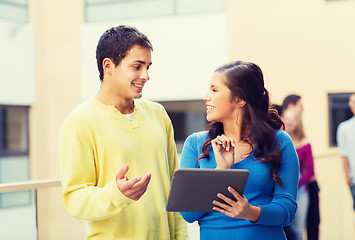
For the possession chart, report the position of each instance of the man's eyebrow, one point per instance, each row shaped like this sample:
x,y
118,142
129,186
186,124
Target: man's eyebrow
x,y
142,62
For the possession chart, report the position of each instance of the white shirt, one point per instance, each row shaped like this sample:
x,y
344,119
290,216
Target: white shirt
x,y
129,116
346,143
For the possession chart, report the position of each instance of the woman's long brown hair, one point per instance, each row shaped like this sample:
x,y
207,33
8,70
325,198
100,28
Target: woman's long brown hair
x,y
245,80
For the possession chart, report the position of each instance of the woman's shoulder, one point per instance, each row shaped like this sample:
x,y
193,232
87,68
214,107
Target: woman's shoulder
x,y
283,138
282,135
194,142
199,136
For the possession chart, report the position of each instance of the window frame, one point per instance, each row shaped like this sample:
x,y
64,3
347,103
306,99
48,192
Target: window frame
x,y
168,8
337,102
15,5
4,152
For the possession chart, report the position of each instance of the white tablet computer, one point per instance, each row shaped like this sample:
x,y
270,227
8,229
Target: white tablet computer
x,y
194,189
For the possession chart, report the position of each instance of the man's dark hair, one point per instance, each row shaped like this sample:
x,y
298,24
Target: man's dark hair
x,y
115,44
290,99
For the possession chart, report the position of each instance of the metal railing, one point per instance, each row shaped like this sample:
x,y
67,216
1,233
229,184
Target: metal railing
x,y
28,185
23,212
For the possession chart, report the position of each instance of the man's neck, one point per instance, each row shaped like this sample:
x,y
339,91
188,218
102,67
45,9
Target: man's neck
x,y
125,106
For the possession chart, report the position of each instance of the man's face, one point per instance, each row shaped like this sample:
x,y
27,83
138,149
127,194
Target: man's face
x,y
352,103
128,78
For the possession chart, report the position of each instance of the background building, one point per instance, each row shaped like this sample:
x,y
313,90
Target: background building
x,y
47,56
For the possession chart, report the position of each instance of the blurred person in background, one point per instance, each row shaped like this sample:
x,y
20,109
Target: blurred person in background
x,y
118,152
346,144
293,126
294,101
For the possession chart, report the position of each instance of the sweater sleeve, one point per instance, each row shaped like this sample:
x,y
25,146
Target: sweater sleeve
x,y
82,198
282,208
171,148
188,160
180,224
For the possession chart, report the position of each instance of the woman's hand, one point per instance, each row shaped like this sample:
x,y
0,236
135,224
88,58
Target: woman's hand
x,y
237,209
223,148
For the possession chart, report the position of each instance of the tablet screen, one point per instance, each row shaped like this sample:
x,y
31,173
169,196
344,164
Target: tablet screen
x,y
194,189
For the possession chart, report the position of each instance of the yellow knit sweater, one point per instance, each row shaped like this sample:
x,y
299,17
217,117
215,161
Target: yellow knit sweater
x,y
95,141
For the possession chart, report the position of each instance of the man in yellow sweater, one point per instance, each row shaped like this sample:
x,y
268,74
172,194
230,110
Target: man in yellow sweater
x,y
118,152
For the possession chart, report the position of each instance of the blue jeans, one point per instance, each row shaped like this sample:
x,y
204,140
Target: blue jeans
x,y
295,230
352,190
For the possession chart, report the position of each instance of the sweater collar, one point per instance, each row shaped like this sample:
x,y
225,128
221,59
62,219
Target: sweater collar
x,y
112,108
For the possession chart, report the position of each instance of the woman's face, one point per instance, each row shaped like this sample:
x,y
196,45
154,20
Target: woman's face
x,y
220,107
290,121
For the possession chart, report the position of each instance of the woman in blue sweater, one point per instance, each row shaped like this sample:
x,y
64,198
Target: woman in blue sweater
x,y
244,134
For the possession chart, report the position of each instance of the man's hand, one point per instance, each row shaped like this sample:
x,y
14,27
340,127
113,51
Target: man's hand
x,y
132,188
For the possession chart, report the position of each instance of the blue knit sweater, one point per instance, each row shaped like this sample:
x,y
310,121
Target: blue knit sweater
x,y
278,204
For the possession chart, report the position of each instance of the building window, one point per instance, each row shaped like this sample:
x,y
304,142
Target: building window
x,y
14,153
339,111
98,10
14,131
187,117
14,10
